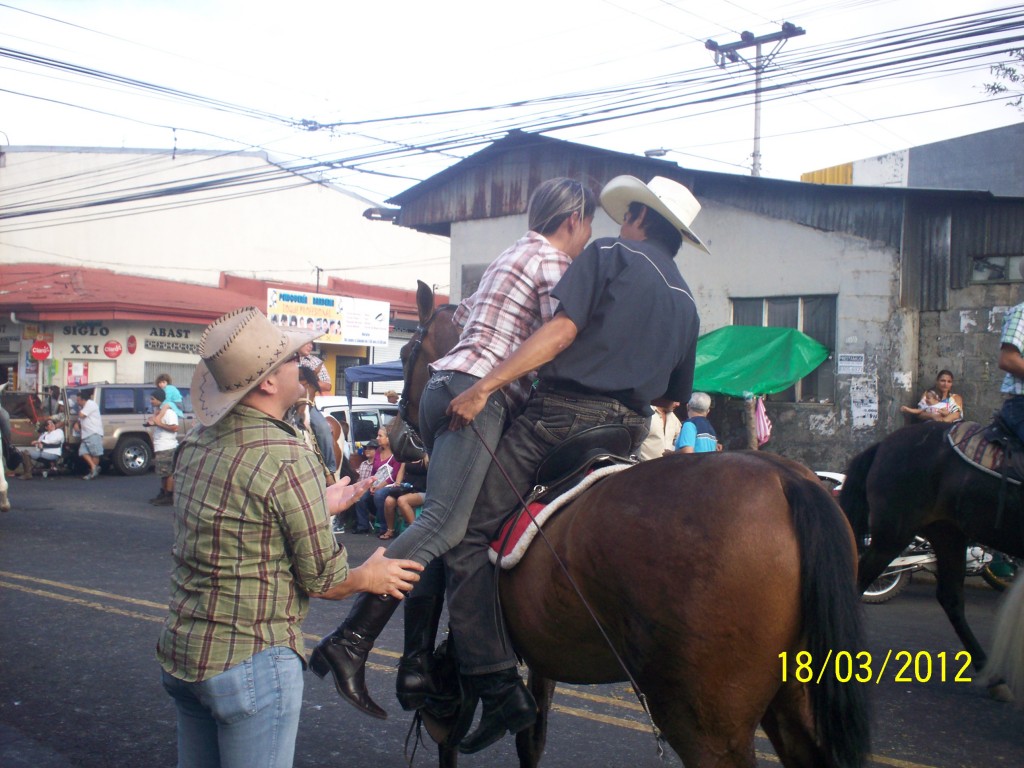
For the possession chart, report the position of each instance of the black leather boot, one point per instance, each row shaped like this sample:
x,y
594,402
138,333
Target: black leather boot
x,y
416,670
343,653
508,707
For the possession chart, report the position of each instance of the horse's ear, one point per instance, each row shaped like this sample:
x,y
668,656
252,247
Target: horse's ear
x,y
424,301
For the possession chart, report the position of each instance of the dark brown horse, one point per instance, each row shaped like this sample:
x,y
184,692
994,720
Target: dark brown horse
x,y
914,483
709,575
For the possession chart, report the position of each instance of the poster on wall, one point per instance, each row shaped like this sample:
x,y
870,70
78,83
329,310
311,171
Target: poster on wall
x,y
341,319
78,374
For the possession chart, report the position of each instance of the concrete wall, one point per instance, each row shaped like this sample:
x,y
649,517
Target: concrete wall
x,y
965,340
989,160
283,228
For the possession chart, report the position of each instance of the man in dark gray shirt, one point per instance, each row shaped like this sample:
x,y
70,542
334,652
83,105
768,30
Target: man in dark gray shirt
x,y
595,367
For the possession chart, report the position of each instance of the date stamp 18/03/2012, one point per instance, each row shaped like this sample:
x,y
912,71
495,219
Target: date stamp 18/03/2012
x,y
864,667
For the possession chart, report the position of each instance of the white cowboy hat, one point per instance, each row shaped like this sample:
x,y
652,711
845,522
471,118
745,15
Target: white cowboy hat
x,y
669,198
239,350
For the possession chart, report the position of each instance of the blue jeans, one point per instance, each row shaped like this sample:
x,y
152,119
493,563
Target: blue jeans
x,y
1013,414
246,717
458,465
371,503
548,420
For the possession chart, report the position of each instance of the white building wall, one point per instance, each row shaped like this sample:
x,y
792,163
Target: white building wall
x,y
890,170
756,256
281,228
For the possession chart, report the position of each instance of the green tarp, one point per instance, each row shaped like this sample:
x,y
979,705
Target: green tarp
x,y
744,360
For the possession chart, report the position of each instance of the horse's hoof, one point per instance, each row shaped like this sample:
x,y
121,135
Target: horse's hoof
x,y
1001,692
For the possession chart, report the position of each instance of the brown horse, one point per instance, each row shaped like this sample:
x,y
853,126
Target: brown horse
x,y
709,574
914,483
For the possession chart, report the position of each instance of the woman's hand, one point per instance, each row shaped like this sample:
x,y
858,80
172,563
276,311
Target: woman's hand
x,y
467,406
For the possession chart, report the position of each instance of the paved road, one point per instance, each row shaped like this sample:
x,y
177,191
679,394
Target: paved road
x,y
83,584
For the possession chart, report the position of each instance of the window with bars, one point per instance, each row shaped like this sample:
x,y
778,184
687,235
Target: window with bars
x,y
815,316
997,268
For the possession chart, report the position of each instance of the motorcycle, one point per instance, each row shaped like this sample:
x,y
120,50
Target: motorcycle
x,y
995,568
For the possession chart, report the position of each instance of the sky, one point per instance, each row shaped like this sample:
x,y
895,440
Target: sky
x,y
378,96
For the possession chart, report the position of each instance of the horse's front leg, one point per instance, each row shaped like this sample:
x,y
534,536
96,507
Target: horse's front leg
x,y
530,742
949,549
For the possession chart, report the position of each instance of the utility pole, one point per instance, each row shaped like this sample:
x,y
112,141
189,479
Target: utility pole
x,y
729,52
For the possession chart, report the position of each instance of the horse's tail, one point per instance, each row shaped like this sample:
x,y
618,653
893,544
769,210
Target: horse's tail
x,y
853,497
832,621
1006,661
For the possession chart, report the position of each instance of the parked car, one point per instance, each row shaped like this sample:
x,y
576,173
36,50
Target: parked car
x,y
364,417
127,444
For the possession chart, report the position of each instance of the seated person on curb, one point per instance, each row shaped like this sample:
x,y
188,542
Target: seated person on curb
x,y
47,447
250,549
388,473
164,427
401,497
591,372
697,435
346,521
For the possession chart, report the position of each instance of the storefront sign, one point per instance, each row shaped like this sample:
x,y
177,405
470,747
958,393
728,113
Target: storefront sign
x,y
341,319
85,329
132,344
172,346
112,349
40,350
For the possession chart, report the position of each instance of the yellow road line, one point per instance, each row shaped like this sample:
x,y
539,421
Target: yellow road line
x,y
84,590
84,603
620,722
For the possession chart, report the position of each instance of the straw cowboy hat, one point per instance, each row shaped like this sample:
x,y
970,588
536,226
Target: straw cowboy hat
x,y
239,350
669,198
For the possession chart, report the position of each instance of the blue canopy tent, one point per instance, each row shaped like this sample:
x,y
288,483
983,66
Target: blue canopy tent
x,y
357,374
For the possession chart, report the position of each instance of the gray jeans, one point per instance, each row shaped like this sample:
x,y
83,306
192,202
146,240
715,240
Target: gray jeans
x,y
549,419
458,465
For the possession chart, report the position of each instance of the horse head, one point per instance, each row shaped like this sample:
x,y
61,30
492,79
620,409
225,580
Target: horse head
x,y
435,335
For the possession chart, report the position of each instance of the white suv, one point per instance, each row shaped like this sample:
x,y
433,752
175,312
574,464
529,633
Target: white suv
x,y
364,418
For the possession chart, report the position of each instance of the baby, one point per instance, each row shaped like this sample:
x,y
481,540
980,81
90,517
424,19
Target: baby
x,y
930,403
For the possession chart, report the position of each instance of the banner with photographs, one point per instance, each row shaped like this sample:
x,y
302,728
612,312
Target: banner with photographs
x,y
342,319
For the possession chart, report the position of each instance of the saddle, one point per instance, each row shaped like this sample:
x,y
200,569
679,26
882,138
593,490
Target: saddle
x,y
569,461
993,448
568,470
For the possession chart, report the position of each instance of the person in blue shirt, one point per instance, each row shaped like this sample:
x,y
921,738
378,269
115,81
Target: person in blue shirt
x,y
697,435
172,395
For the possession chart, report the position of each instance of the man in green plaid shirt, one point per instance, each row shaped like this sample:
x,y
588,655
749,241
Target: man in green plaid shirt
x,y
1011,347
252,544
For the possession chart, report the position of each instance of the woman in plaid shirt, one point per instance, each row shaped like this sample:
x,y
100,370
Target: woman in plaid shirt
x,y
513,300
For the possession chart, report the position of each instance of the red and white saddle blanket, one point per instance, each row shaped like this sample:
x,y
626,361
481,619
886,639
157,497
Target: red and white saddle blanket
x,y
521,528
